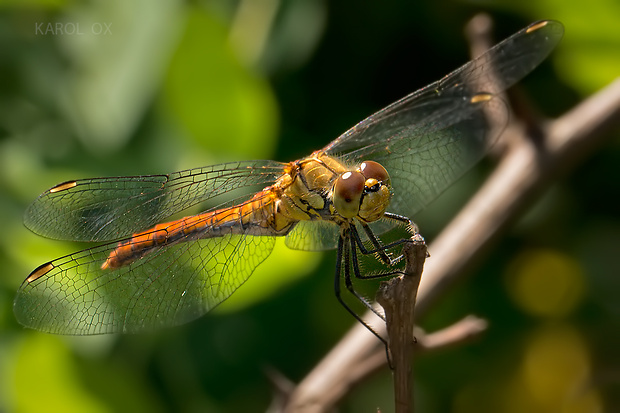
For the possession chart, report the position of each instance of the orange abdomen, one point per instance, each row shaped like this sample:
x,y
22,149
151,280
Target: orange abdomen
x,y
255,217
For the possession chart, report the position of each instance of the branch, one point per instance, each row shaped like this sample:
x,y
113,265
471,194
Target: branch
x,y
462,331
397,297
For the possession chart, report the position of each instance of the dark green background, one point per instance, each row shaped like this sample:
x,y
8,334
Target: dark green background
x,y
175,85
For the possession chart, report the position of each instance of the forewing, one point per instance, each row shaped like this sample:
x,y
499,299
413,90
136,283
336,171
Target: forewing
x,y
431,137
440,156
166,287
104,209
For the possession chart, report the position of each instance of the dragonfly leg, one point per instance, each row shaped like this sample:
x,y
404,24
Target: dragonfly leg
x,y
379,248
356,268
411,226
344,257
348,244
356,271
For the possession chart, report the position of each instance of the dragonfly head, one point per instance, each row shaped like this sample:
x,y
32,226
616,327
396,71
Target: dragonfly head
x,y
363,193
377,191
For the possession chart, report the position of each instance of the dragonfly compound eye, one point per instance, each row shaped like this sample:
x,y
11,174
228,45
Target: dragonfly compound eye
x,y
348,189
377,191
374,170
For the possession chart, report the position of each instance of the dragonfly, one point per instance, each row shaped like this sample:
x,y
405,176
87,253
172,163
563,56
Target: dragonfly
x,y
148,272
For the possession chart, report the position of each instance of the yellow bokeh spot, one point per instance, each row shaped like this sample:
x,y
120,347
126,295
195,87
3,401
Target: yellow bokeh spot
x,y
546,283
553,375
556,363
555,372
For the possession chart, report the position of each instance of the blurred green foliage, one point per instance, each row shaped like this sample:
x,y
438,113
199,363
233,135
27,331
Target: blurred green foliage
x,y
108,87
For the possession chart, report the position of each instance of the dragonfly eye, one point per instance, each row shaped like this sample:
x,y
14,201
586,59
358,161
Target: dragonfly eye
x,y
347,193
372,169
377,191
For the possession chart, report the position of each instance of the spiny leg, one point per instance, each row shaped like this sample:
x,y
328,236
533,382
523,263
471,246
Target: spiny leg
x,y
344,243
347,254
412,228
378,247
356,271
348,243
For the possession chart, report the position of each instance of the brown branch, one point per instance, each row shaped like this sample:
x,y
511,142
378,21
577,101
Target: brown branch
x,y
462,331
458,333
352,359
397,297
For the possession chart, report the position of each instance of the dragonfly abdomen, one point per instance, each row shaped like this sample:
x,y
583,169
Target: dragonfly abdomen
x,y
254,217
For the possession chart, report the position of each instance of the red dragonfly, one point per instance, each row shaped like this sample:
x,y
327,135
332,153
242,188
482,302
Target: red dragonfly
x,y
149,274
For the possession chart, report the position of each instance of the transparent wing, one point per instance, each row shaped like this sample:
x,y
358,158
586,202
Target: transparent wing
x,y
431,137
166,287
313,236
104,209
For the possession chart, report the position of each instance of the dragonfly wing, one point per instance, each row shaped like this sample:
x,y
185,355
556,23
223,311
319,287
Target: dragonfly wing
x,y
166,287
313,236
104,209
442,153
431,137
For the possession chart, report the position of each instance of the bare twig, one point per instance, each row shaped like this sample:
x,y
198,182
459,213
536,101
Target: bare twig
x,y
397,297
478,32
321,389
282,388
458,333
